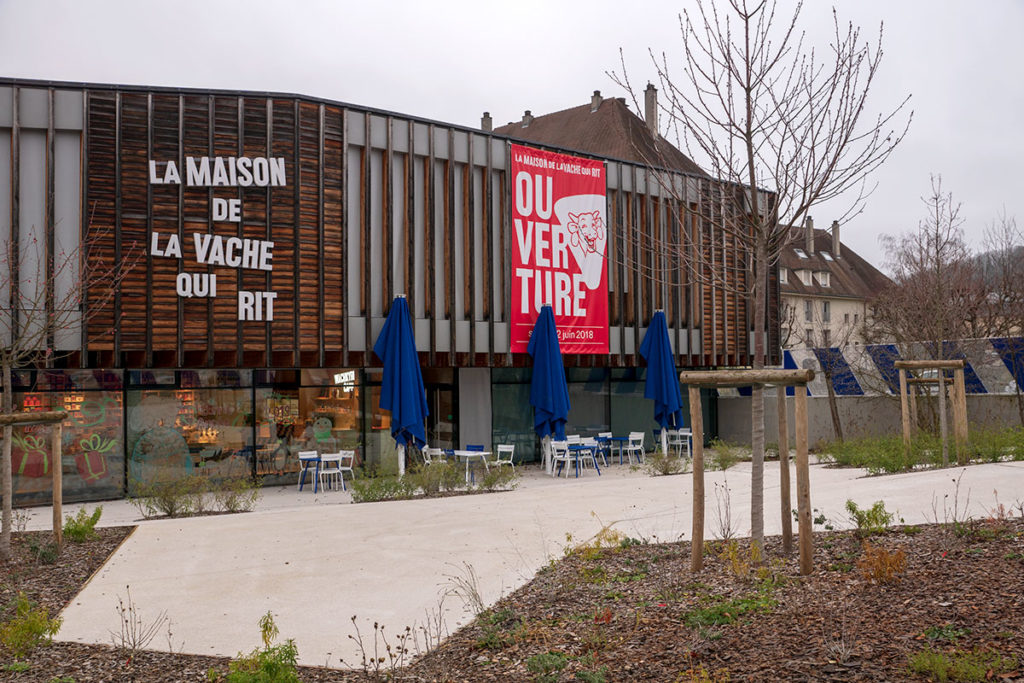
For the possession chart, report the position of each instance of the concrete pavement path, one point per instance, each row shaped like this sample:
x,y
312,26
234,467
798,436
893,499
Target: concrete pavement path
x,y
316,561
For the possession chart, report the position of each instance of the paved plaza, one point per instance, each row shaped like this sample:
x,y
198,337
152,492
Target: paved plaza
x,y
316,560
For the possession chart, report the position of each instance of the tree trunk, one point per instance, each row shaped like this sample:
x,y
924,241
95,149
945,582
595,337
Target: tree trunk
x,y
837,425
1020,403
757,398
7,480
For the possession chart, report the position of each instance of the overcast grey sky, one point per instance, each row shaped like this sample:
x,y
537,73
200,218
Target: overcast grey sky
x,y
963,64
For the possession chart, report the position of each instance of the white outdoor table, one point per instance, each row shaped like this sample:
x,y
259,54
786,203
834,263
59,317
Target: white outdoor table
x,y
468,457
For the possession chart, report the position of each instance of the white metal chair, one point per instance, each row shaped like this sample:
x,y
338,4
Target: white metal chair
x,y
309,459
604,439
330,471
505,452
591,454
432,455
333,467
559,456
679,439
635,447
597,450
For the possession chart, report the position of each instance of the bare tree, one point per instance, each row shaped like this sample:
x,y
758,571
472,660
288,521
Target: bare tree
x,y
761,109
43,313
938,293
1002,270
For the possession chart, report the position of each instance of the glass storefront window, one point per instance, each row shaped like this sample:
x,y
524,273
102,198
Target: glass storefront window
x,y
317,410
588,401
92,449
178,432
380,453
512,414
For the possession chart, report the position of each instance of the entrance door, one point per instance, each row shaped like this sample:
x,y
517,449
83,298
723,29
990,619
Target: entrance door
x,y
441,423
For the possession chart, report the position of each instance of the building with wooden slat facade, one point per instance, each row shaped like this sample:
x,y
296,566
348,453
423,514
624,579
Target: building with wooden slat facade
x,y
267,235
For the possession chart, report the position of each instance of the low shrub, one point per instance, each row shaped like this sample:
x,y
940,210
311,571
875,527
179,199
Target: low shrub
x,y
82,527
727,611
547,666
722,455
237,494
30,627
880,565
169,497
871,521
374,489
46,553
660,464
498,478
976,665
436,477
996,445
272,664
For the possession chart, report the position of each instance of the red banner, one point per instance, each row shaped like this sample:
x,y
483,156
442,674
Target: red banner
x,y
559,248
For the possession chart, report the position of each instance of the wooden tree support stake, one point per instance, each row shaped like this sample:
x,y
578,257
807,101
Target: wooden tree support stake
x,y
57,467
785,499
803,482
697,425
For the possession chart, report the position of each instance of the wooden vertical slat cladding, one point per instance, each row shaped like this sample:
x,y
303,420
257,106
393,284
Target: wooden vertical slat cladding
x,y
210,304
284,202
123,132
344,198
296,188
224,307
180,303
333,259
134,212
309,231
307,219
118,233
321,304
239,194
149,229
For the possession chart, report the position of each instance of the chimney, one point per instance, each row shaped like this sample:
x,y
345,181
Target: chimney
x,y
527,118
651,109
809,235
486,123
595,101
835,239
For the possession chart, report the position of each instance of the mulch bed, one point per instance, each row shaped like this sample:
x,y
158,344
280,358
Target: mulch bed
x,y
634,611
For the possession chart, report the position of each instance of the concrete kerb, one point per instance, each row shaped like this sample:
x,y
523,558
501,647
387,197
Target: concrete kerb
x,y
315,561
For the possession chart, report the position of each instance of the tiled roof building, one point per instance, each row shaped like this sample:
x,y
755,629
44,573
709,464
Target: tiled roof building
x,y
605,127
825,288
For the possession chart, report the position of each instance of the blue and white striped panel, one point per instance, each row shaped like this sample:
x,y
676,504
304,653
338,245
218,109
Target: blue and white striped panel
x,y
992,366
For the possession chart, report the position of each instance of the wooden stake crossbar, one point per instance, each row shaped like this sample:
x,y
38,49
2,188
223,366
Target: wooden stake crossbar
x,y
782,379
55,418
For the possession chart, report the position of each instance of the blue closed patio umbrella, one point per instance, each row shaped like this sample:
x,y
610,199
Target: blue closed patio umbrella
x,y
401,390
549,394
662,384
